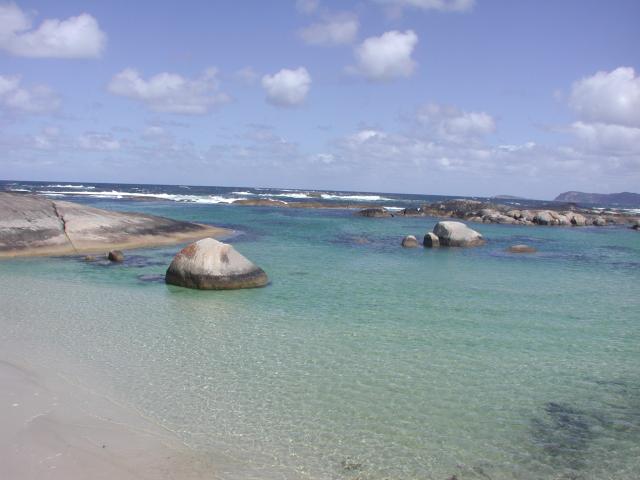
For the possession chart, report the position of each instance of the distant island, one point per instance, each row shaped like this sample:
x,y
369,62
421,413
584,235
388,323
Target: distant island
x,y
623,198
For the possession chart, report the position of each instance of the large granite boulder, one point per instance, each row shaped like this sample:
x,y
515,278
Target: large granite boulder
x,y
457,234
578,220
543,217
35,225
212,265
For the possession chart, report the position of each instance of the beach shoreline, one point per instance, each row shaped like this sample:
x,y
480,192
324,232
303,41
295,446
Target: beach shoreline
x,y
55,427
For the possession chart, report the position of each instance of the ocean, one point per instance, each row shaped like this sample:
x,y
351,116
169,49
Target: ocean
x,y
361,359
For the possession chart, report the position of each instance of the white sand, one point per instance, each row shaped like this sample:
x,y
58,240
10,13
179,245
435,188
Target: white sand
x,y
52,428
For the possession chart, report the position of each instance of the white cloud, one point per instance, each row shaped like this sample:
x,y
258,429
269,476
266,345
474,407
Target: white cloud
x,y
439,5
16,98
75,37
307,6
170,92
607,138
608,97
334,30
287,88
98,141
388,56
451,124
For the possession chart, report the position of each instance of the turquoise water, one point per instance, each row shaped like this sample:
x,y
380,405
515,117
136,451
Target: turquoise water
x,y
362,360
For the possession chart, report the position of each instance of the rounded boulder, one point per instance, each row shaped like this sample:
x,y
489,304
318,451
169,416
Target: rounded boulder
x,y
212,265
115,256
431,240
409,241
457,234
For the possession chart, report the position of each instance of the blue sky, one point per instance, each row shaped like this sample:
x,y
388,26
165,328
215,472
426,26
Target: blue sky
x,y
453,97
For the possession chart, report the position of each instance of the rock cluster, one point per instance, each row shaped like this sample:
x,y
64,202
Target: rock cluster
x,y
447,234
483,212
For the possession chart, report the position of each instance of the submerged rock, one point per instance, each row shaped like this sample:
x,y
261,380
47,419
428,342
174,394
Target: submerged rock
x,y
457,234
378,212
431,240
212,265
521,249
115,256
409,241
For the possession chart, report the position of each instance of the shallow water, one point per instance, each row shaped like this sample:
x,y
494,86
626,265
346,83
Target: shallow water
x,y
362,359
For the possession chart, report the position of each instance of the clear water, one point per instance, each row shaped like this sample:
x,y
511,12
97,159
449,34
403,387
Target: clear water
x,y
362,360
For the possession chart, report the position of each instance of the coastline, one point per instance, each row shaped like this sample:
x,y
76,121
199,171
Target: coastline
x,y
147,241
31,225
56,428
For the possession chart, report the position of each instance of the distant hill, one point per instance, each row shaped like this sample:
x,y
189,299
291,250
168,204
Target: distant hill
x,y
623,198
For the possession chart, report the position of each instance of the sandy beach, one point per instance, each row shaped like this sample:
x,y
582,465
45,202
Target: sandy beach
x,y
54,428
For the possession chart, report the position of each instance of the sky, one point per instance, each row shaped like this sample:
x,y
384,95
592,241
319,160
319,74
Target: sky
x,y
450,97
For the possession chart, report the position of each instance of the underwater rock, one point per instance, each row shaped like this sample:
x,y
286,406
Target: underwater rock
x,y
521,249
212,265
457,234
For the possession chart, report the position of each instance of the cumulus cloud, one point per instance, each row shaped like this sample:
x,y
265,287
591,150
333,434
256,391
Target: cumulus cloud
x,y
438,5
16,98
452,124
170,92
608,97
75,37
607,138
287,88
333,30
307,6
386,57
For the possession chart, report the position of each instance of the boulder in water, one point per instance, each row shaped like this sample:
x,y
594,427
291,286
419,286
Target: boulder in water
x,y
116,256
431,240
409,241
212,265
457,234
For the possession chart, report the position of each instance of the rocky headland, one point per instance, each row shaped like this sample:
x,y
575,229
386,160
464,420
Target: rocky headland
x,y
32,225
